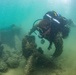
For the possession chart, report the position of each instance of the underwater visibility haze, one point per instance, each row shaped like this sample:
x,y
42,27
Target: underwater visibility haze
x,y
23,13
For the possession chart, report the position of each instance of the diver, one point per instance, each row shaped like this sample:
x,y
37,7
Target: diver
x,y
54,28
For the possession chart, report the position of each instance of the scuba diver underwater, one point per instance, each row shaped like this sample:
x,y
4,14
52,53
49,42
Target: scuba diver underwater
x,y
54,28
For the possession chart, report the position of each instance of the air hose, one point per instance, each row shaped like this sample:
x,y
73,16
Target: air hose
x,y
42,40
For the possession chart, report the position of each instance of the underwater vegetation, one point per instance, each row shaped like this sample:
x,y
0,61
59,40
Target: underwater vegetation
x,y
7,60
29,55
1,49
7,35
9,55
35,56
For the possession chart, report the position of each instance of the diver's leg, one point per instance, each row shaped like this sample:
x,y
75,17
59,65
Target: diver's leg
x,y
58,42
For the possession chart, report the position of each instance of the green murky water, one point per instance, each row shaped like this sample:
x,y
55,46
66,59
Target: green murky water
x,y
24,12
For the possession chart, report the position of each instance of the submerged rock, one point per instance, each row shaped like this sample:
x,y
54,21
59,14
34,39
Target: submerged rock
x,y
28,46
35,56
7,35
3,66
1,49
12,62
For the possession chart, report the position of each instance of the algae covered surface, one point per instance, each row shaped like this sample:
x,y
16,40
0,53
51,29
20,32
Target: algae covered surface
x,y
20,15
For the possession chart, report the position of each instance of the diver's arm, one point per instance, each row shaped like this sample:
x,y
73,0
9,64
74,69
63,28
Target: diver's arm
x,y
33,29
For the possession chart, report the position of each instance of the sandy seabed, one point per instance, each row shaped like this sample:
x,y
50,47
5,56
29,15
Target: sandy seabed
x,y
67,62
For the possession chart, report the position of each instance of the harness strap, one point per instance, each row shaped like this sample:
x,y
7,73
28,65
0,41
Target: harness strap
x,y
53,18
